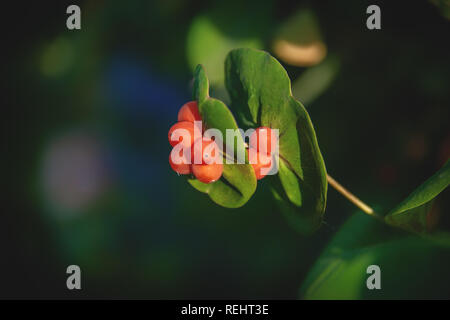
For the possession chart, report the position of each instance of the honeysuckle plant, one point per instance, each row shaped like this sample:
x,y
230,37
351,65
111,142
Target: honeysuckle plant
x,y
260,92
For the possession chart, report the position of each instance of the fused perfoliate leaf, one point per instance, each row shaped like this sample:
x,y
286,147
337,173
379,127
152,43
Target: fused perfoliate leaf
x,y
260,91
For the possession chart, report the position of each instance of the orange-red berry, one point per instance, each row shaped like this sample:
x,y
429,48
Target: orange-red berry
x,y
185,137
262,165
207,173
211,168
268,140
189,112
180,163
206,151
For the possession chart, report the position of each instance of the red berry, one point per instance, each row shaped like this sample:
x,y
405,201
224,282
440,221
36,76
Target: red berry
x,y
207,173
182,137
189,112
210,169
180,163
207,151
263,161
267,137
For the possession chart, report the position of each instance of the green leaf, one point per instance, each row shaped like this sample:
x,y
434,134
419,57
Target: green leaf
x,y
415,213
200,91
238,182
411,267
260,91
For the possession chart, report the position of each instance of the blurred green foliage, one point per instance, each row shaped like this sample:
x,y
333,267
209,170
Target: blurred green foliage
x,y
415,213
411,267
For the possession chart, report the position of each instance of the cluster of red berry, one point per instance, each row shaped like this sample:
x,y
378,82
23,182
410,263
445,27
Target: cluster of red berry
x,y
205,172
209,171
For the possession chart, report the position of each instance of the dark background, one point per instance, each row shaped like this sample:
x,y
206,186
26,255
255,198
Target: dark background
x,y
86,116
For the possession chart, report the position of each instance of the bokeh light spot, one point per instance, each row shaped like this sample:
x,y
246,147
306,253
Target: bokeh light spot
x,y
74,173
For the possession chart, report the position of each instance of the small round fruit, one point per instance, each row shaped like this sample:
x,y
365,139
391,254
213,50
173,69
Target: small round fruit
x,y
207,149
181,168
186,140
207,173
263,162
268,138
189,112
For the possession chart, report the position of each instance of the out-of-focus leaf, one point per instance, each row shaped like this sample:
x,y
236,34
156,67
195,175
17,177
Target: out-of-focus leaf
x,y
238,182
208,41
260,92
405,262
443,7
415,212
316,80
298,41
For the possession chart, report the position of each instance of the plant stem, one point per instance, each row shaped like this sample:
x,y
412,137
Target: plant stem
x,y
351,197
